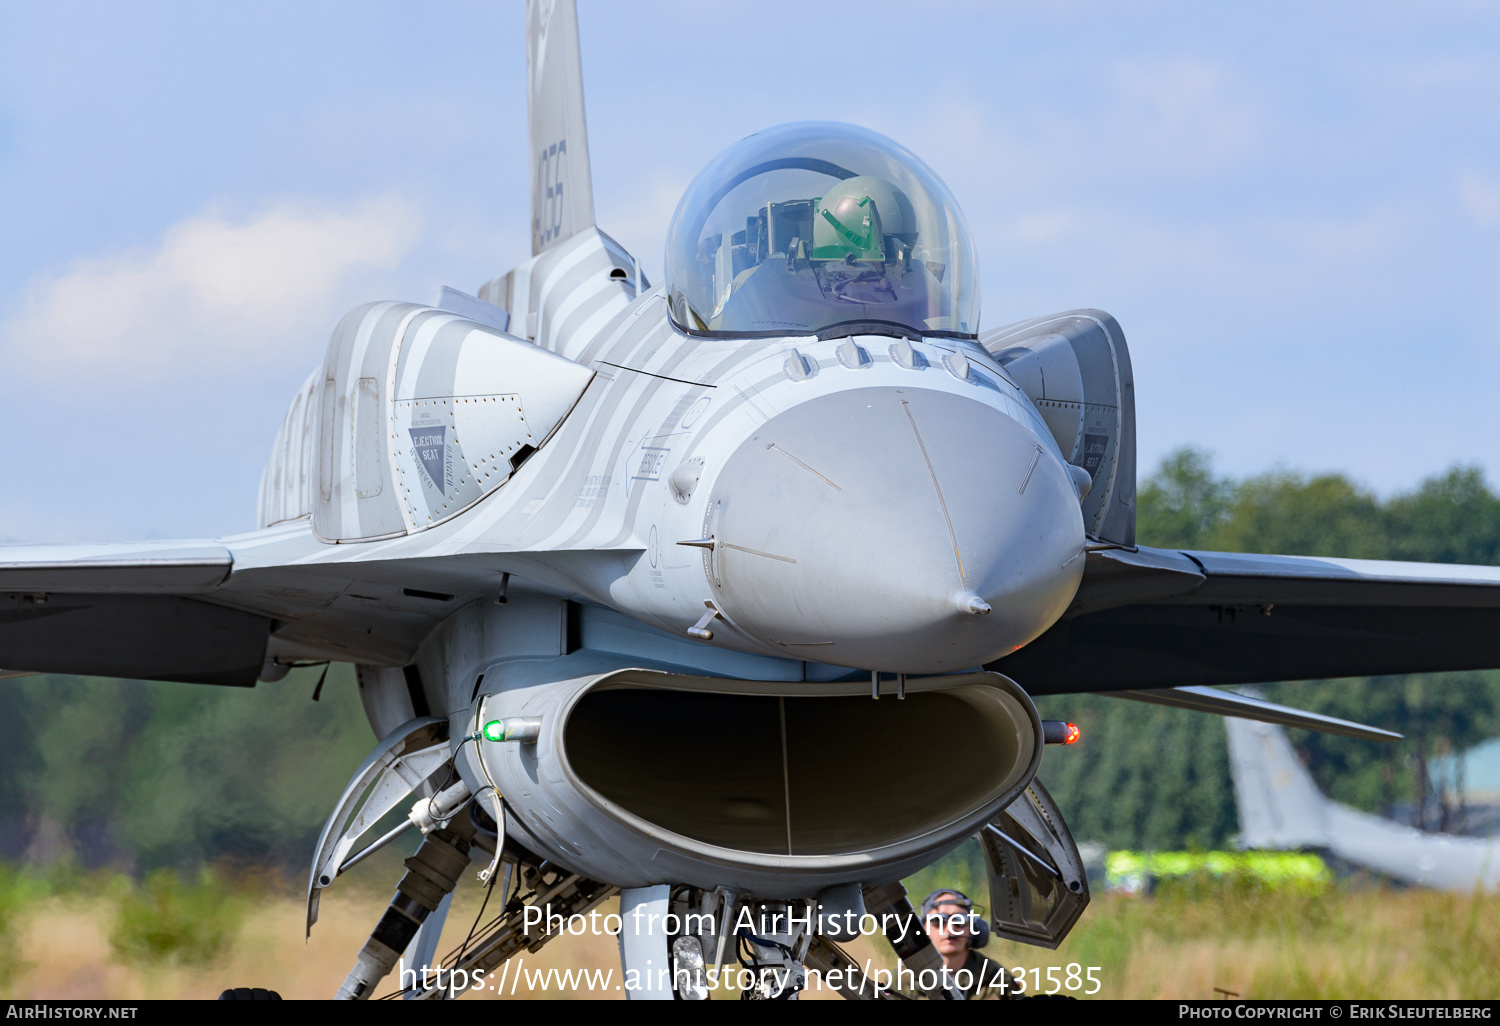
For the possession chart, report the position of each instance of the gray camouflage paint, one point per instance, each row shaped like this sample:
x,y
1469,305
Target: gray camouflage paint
x,y
771,431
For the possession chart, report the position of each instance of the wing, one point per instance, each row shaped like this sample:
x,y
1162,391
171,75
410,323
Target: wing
x,y
229,611
137,610
1154,618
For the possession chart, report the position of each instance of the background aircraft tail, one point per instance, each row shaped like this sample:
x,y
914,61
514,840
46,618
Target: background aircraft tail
x,y
1280,806
562,192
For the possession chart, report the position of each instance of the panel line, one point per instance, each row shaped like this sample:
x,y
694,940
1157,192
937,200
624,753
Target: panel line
x,y
937,488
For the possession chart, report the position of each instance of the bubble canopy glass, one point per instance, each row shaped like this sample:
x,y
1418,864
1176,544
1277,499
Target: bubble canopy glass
x,y
816,227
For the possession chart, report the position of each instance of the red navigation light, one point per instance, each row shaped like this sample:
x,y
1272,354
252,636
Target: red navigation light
x,y
1059,732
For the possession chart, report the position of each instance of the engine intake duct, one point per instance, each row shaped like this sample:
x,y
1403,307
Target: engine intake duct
x,y
792,775
739,782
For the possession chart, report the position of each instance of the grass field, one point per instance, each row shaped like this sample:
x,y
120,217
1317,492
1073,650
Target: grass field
x,y
107,938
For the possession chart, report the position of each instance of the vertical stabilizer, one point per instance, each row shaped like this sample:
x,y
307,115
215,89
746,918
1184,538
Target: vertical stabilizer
x,y
1280,806
562,192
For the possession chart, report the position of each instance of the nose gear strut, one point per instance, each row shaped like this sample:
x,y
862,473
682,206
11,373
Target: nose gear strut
x,y
430,876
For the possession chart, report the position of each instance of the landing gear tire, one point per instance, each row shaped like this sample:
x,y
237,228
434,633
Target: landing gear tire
x,y
249,994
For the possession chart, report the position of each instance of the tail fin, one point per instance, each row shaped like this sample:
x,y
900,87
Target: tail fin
x,y
1280,806
562,192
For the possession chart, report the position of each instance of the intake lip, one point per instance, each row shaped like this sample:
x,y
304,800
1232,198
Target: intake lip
x,y
1003,758
617,789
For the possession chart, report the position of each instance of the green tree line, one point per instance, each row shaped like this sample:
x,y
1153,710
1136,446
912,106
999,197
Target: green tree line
x,y
1149,777
144,775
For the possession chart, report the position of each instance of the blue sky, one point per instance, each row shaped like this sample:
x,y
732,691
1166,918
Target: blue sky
x,y
1293,210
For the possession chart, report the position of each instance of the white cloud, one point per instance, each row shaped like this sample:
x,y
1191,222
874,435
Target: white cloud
x,y
1481,198
215,291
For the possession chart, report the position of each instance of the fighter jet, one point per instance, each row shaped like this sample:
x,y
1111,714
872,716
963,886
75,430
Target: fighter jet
x,y
669,592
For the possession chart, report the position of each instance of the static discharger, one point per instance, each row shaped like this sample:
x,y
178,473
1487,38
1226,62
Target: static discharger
x,y
1059,732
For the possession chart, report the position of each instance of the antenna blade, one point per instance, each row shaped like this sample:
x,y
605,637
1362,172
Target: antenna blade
x,y
562,192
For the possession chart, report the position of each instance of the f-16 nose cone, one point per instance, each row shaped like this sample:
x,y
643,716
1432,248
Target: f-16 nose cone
x,y
872,528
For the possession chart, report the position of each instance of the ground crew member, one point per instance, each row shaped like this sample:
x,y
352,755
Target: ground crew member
x,y
955,931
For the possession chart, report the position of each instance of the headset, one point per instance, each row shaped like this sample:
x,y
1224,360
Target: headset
x,y
979,930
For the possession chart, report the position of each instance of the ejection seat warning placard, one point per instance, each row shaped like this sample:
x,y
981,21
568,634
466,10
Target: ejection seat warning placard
x,y
1093,453
428,442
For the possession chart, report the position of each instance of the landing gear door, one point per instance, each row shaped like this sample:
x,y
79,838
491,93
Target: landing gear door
x,y
1038,887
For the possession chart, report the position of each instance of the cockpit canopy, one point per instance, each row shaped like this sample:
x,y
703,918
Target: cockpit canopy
x,y
809,227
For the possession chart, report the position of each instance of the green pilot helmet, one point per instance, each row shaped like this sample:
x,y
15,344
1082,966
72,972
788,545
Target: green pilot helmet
x,y
853,218
758,244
